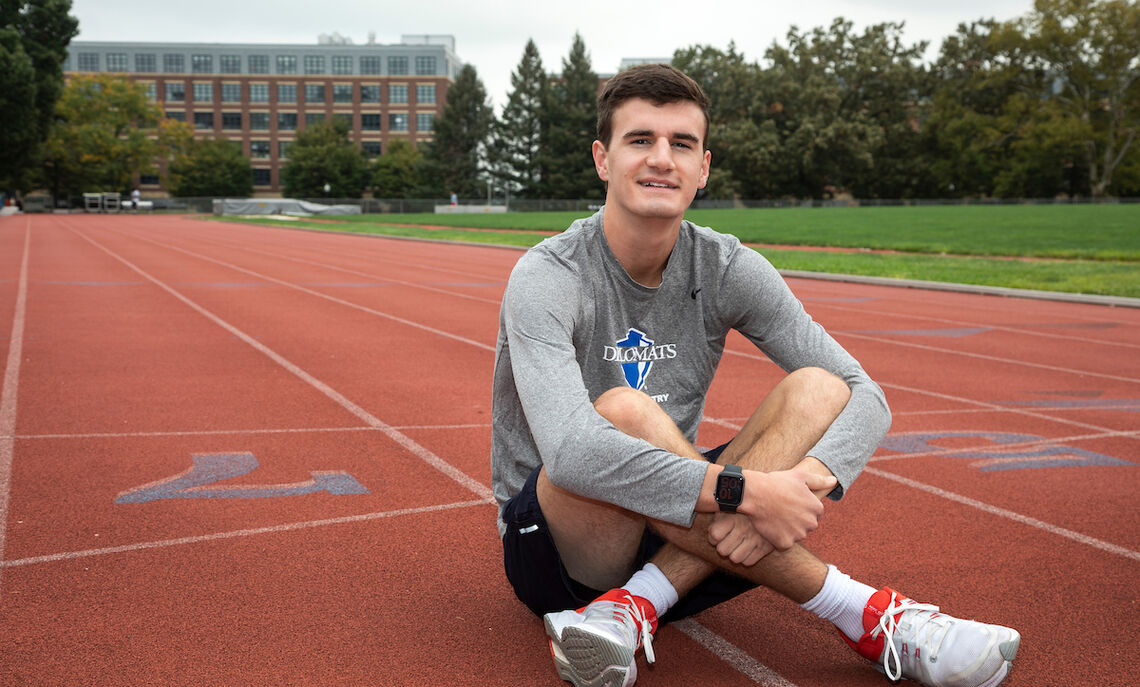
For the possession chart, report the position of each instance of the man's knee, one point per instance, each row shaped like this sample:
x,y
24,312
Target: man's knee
x,y
817,392
627,409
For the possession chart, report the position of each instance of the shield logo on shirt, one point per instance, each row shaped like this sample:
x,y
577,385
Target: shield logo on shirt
x,y
635,370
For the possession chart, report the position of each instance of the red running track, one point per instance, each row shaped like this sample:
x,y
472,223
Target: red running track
x,y
234,455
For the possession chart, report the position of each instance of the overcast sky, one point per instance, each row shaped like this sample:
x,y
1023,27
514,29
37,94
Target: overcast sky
x,y
491,34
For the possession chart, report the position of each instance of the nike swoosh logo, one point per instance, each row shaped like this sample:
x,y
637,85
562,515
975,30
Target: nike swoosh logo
x,y
693,293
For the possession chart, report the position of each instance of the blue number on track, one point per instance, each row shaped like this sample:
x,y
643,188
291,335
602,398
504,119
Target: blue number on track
x,y
986,460
210,468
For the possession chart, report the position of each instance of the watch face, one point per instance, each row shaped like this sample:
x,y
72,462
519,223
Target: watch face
x,y
729,489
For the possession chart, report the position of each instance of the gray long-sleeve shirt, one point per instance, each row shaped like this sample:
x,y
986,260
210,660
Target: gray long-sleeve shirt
x,y
573,325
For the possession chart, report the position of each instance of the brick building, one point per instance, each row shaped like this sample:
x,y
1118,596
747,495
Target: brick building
x,y
263,94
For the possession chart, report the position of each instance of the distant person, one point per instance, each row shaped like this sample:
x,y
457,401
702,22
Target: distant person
x,y
135,195
609,336
454,198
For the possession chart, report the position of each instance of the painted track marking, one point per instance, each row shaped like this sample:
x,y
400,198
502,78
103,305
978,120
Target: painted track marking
x,y
8,395
369,419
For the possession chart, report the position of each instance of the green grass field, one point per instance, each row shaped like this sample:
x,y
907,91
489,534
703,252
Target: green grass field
x,y
1092,249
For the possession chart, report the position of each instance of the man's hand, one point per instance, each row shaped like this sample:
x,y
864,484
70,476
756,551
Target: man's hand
x,y
780,506
737,540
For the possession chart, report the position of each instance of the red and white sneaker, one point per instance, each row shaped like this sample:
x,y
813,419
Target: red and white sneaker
x,y
918,642
596,645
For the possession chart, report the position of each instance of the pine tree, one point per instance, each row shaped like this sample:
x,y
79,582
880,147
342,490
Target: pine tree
x,y
519,134
455,161
572,112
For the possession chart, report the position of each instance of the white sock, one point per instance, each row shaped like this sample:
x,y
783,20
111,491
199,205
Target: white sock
x,y
651,584
842,601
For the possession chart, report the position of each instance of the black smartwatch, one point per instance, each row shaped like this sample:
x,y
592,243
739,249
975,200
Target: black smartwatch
x,y
729,488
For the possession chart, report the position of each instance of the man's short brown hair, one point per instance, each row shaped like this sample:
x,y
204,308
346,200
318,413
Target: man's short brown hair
x,y
660,84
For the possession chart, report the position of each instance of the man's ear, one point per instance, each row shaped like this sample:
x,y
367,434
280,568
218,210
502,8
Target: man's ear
x,y
599,152
704,180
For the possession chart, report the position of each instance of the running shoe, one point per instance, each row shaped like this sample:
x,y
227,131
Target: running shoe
x,y
596,645
910,640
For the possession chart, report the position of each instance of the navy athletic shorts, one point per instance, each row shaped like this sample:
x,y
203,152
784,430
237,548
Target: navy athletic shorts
x,y
540,580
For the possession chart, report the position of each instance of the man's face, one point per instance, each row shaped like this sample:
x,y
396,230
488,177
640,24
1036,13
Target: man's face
x,y
655,160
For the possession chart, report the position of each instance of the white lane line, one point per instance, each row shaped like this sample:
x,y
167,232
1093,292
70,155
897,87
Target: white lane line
x,y
732,654
368,418
390,280
318,294
1008,514
8,395
961,323
991,358
272,529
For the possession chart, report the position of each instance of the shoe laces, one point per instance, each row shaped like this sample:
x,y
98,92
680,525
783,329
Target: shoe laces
x,y
626,615
927,629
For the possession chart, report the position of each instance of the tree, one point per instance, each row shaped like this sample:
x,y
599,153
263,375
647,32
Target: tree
x,y
1090,47
455,160
395,173
572,113
106,132
33,33
517,136
210,167
18,133
322,155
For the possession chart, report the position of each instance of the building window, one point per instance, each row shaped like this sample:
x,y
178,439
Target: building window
x,y
425,121
343,119
369,93
314,64
259,149
342,93
341,64
203,92
152,91
425,94
286,121
258,64
425,66
175,92
397,93
397,66
371,148
283,148
148,180
286,92
116,61
176,115
203,120
231,121
314,118
286,64
202,64
369,65
145,63
259,93
88,62
229,64
231,93
174,64
262,177
370,122
398,121
314,93
259,121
